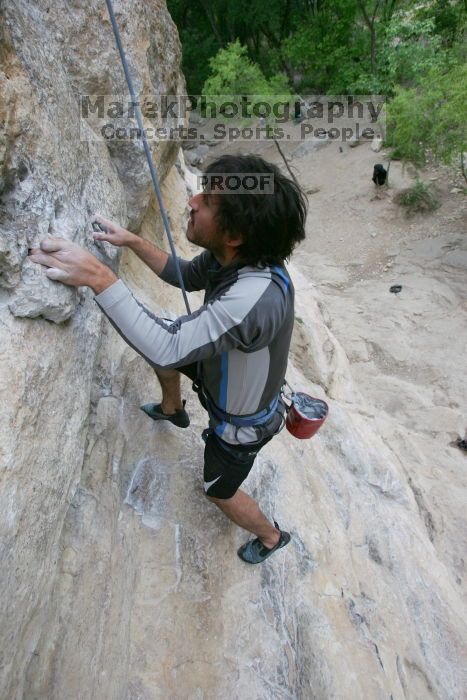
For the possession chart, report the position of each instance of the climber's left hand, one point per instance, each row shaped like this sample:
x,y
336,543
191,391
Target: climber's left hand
x,y
72,265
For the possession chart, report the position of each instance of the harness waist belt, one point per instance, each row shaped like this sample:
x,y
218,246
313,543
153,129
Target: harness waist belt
x,y
239,421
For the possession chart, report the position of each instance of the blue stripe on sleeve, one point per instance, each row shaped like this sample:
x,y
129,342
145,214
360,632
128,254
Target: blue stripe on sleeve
x,y
224,381
279,271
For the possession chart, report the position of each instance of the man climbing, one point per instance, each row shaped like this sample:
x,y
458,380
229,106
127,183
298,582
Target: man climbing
x,y
235,347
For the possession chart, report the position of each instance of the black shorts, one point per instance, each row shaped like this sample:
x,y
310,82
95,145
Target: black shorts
x,y
225,466
190,371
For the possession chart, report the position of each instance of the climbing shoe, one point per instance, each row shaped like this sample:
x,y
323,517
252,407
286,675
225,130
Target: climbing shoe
x,y
180,418
254,551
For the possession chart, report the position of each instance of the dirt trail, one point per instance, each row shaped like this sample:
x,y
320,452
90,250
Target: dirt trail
x,y
359,245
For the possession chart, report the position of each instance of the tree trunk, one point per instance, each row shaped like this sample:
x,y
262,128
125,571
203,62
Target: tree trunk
x,y
373,50
371,24
212,23
273,41
463,166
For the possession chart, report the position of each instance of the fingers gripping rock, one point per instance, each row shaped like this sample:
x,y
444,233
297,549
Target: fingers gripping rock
x,y
52,245
54,273
38,295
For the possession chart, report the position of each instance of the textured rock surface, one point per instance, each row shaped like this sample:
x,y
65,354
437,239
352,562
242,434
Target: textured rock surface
x,y
53,182
118,578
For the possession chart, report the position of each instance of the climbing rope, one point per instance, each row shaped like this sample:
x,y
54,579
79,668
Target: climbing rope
x,y
154,177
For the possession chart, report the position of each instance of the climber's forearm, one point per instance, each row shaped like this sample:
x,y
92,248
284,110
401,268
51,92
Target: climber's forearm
x,y
155,258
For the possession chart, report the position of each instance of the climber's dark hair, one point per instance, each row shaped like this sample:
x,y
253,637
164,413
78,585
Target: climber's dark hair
x,y
271,224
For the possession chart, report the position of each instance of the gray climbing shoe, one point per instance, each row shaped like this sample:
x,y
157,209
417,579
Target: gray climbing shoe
x,y
180,418
254,551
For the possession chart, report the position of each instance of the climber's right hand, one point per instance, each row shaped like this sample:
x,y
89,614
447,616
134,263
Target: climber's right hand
x,y
113,233
66,262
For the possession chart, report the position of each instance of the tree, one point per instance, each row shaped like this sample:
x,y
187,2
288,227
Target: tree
x,y
205,26
432,116
333,46
233,74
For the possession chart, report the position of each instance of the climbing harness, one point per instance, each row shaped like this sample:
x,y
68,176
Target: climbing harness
x,y
253,420
152,169
248,420
304,415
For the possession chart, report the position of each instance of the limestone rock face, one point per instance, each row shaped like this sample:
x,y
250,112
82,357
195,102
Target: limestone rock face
x,y
52,182
53,175
118,579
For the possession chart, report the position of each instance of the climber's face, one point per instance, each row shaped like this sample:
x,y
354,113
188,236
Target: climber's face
x,y
203,229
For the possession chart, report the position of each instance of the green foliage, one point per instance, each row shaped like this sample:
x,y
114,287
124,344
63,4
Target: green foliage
x,y
408,49
279,84
195,62
449,130
412,52
411,49
333,49
432,116
418,199
328,49
338,47
233,74
369,83
205,26
449,17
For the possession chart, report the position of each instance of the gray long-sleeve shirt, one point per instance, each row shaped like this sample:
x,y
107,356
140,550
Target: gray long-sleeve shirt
x,y
240,337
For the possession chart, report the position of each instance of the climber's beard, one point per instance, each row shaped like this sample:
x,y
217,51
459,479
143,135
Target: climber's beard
x,y
206,236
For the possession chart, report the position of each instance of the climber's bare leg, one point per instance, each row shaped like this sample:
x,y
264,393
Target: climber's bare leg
x,y
245,512
169,379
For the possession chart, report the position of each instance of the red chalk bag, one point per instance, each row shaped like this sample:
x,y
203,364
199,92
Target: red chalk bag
x,y
305,415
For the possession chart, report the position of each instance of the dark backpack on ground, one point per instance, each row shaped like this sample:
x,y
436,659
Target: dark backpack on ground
x,y
379,174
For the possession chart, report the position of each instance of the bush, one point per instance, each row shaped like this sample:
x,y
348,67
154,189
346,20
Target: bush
x,y
418,199
327,52
411,49
234,74
432,116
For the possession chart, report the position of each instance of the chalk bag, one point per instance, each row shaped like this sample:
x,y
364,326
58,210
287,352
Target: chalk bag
x,y
305,414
